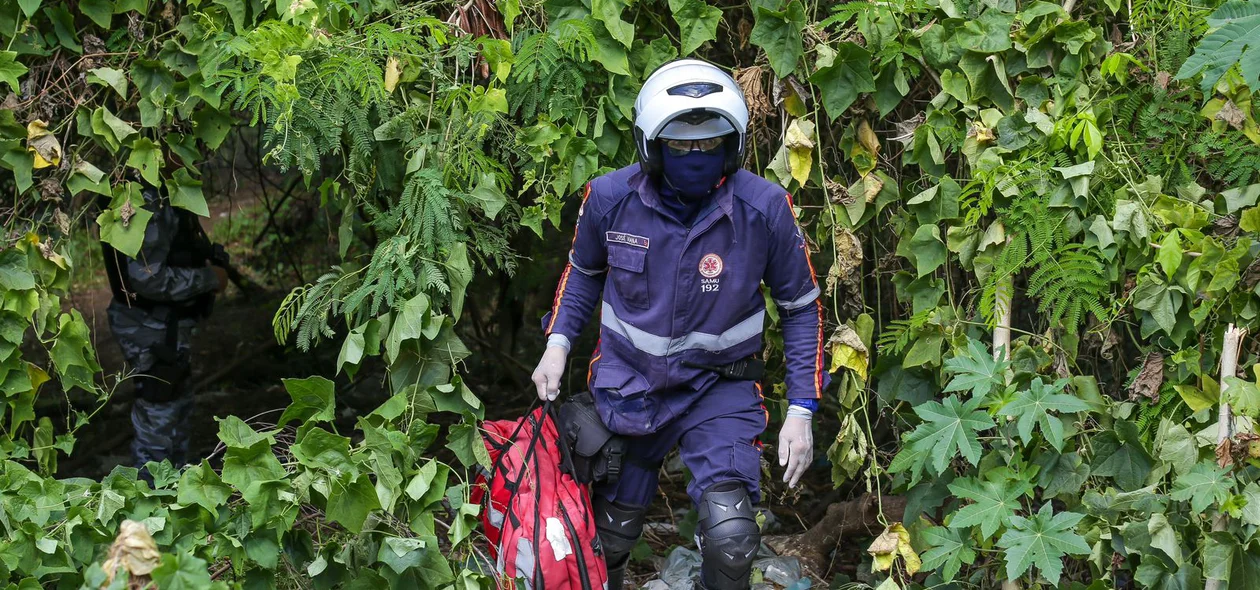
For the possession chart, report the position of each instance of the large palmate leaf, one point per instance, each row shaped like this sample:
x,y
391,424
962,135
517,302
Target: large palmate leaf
x,y
976,371
995,503
1204,484
1033,407
951,550
950,427
1234,40
1042,540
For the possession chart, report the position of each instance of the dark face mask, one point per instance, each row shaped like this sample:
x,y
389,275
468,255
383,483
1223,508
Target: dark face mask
x,y
694,174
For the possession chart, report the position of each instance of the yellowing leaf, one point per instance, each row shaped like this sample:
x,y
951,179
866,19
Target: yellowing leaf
x,y
865,152
800,144
848,351
894,541
43,144
392,70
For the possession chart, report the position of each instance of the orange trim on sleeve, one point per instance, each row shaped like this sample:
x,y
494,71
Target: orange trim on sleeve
x,y
568,268
818,360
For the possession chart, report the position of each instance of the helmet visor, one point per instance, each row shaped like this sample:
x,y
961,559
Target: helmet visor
x,y
702,125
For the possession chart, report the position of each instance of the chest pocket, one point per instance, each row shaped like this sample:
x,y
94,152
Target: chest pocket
x,y
628,273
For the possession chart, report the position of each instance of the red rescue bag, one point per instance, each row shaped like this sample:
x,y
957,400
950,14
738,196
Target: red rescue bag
x,y
538,519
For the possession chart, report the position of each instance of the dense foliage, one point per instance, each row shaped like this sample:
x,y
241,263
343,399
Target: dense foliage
x,y
1086,175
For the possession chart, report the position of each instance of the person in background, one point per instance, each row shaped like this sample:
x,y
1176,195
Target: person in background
x,y
674,250
158,298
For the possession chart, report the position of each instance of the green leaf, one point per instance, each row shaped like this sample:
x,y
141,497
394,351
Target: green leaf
x,y
72,355
123,226
1033,407
778,32
109,77
1119,453
100,11
1243,396
459,271
312,400
1061,473
926,351
320,449
211,126
408,325
14,274
236,11
488,196
1154,575
351,350
465,441
1043,541
1251,511
1169,255
1239,197
202,486
846,77
29,6
146,157
697,22
1176,446
929,250
185,192
955,85
1234,40
991,33
11,70
1249,220
236,434
111,129
609,13
1164,536
1153,296
976,371
183,571
950,427
995,502
350,500
950,551
1204,484
609,52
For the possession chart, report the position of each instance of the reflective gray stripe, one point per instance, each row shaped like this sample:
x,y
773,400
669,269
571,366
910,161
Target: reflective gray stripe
x,y
586,271
661,346
804,300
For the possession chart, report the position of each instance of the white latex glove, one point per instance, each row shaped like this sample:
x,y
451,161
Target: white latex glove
x,y
550,369
796,446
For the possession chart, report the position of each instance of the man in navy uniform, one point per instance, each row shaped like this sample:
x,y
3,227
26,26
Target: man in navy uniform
x,y
679,246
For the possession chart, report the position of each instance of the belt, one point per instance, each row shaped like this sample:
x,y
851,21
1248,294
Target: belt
x,y
749,369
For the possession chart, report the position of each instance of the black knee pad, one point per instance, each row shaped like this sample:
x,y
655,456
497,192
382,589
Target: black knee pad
x,y
729,536
619,526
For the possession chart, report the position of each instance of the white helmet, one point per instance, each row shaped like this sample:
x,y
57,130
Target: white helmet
x,y
689,99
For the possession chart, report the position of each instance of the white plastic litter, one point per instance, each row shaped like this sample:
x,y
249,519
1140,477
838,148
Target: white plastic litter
x,y
681,571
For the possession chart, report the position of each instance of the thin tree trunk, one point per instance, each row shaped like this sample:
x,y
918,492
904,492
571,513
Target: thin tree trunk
x,y
1225,420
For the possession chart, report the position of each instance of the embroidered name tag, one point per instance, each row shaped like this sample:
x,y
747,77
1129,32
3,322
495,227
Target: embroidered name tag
x,y
616,237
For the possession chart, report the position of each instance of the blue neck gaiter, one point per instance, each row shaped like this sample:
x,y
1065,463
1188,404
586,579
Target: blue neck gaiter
x,y
693,175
